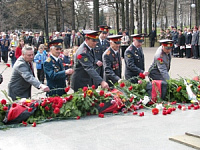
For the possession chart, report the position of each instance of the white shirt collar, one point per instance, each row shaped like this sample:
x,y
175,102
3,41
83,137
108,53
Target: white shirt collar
x,y
56,58
88,46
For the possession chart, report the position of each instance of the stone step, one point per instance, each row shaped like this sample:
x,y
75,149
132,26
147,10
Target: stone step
x,y
194,133
191,141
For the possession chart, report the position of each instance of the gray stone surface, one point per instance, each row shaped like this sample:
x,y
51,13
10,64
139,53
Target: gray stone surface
x,y
113,132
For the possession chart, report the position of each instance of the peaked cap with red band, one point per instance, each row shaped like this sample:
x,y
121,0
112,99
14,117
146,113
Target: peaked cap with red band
x,y
138,36
115,38
104,28
57,43
166,42
91,34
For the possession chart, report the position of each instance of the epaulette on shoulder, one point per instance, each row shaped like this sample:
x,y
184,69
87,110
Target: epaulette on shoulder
x,y
108,52
48,59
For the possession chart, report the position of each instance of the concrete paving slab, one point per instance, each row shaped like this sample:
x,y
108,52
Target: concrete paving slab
x,y
187,140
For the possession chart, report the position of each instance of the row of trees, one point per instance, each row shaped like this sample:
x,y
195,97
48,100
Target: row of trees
x,y
84,14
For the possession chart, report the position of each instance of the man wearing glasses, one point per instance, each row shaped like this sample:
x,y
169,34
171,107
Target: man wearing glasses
x,y
85,73
134,59
111,61
54,70
162,59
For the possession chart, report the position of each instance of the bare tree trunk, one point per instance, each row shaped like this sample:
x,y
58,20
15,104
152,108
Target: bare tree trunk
x,y
61,15
96,14
175,11
73,15
155,18
117,15
127,15
140,5
165,12
122,15
150,15
132,27
137,17
145,17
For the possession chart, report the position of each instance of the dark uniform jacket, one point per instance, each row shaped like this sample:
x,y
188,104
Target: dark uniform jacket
x,y
159,70
134,62
28,40
55,75
84,71
99,50
112,66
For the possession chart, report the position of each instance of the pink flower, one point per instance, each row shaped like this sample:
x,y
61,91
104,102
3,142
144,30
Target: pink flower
x,y
139,81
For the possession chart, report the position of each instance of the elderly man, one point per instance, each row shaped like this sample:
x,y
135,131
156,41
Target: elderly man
x,y
54,70
111,61
162,59
85,73
134,59
23,77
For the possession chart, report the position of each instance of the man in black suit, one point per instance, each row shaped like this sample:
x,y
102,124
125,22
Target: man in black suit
x,y
134,59
36,42
111,61
101,46
152,37
27,39
85,73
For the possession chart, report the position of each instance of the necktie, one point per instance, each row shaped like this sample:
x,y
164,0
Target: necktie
x,y
102,42
31,68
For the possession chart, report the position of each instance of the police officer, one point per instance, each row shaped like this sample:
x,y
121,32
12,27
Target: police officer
x,y
101,46
111,60
85,73
54,70
162,59
134,59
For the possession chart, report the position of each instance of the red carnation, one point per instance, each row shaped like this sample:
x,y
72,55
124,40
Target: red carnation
x,y
8,65
36,104
93,87
67,89
130,88
122,84
179,106
101,105
101,93
141,75
5,108
155,111
56,110
34,124
178,89
85,88
101,115
84,96
79,57
115,112
135,113
78,117
46,108
160,60
3,102
30,109
14,105
24,123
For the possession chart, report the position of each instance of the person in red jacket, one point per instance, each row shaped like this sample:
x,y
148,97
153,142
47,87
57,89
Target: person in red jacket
x,y
18,51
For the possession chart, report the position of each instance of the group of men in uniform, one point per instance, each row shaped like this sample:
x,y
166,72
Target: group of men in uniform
x,y
97,62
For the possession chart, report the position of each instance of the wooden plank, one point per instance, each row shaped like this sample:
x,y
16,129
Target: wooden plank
x,y
190,141
193,133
